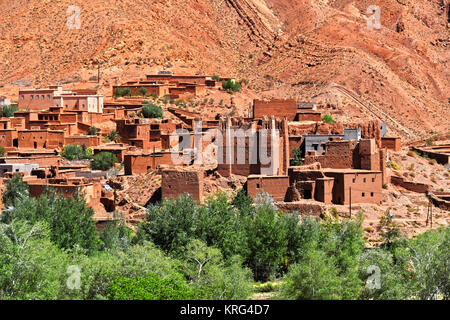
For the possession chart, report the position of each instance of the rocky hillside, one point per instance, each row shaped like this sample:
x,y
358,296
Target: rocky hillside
x,y
308,49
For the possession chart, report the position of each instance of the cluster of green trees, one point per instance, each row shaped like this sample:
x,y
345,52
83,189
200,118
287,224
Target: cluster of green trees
x,y
103,161
8,110
151,110
76,152
49,249
231,86
121,92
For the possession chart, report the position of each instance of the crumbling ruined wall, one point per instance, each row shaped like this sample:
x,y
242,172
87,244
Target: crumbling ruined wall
x,y
176,183
338,155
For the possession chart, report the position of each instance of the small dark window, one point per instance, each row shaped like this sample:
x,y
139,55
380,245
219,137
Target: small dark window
x,y
354,180
364,180
257,186
373,179
371,194
363,194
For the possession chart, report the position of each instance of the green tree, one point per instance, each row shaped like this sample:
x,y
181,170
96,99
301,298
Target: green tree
x,y
171,224
92,131
16,189
143,91
152,110
8,111
212,277
231,86
267,242
31,266
103,161
114,136
327,118
73,152
152,287
297,160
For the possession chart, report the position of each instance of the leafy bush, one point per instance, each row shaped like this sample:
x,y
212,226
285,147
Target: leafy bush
x,y
121,92
231,86
76,152
2,152
297,160
152,287
114,136
103,161
143,91
8,111
92,131
152,110
327,118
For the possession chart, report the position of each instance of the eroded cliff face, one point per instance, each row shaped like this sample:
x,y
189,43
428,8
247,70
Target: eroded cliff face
x,y
317,50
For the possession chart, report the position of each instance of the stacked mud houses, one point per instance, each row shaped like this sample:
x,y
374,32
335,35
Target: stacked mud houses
x,y
283,147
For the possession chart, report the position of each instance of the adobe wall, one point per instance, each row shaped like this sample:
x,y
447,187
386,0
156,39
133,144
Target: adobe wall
x,y
276,186
32,139
176,183
7,138
305,209
42,161
365,187
338,155
35,100
410,185
324,190
391,143
278,108
88,141
309,116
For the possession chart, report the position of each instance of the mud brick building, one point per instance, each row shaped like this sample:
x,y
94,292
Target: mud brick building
x,y
357,186
391,143
245,156
68,186
177,182
43,99
276,186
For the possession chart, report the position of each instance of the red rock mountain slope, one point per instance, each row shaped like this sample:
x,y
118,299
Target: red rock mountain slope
x,y
318,50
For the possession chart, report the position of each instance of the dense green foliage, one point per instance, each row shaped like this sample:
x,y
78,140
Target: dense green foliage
x,y
92,131
49,249
152,287
114,136
103,161
8,111
119,92
151,110
2,152
76,152
297,160
327,118
231,86
143,91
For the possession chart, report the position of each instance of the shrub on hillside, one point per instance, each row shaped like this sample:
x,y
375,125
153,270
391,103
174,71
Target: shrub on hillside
x,y
103,161
152,110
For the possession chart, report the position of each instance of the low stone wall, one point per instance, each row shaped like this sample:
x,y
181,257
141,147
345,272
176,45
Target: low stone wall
x,y
409,185
441,203
304,209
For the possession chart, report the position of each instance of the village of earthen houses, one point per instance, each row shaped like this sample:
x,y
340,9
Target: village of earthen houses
x,y
337,115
